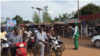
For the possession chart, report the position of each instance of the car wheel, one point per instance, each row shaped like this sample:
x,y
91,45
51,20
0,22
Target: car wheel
x,y
97,43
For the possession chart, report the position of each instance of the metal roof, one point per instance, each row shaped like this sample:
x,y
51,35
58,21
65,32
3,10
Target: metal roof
x,y
89,17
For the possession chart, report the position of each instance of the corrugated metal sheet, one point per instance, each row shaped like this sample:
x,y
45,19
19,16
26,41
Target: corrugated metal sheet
x,y
89,17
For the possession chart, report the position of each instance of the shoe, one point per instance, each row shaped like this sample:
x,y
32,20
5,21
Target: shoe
x,y
75,49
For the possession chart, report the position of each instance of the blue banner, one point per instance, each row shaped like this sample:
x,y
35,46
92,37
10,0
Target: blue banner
x,y
11,23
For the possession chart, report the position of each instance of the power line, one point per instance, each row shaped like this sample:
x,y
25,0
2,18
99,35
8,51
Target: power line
x,y
68,7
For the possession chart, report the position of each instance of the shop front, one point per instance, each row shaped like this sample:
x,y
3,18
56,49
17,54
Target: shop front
x,y
90,24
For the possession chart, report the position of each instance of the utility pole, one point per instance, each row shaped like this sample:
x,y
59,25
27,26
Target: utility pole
x,y
39,9
2,20
78,10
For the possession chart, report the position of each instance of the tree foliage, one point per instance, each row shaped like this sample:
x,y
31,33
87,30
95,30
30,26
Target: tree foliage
x,y
65,16
5,20
19,19
26,21
88,9
56,19
46,16
36,17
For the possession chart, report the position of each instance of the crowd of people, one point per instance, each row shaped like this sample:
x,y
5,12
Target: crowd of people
x,y
15,36
42,36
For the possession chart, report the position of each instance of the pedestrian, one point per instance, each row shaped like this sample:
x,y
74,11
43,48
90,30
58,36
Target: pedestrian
x,y
13,39
75,36
40,40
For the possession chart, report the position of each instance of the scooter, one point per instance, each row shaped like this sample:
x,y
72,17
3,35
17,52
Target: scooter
x,y
60,43
21,50
5,47
55,46
31,42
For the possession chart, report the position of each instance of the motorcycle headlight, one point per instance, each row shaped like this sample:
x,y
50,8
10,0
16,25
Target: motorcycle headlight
x,y
32,37
56,42
21,45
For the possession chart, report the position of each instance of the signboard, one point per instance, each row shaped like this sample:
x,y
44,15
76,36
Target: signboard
x,y
65,21
11,23
72,20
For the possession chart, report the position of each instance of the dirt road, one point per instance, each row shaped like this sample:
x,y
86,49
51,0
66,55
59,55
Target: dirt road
x,y
85,48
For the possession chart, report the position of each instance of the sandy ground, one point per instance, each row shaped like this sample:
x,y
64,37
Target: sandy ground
x,y
85,48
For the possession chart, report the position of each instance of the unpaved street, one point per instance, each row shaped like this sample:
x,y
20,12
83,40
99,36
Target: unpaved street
x,y
85,48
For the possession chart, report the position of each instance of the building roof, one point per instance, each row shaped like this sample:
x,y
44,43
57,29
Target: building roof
x,y
89,17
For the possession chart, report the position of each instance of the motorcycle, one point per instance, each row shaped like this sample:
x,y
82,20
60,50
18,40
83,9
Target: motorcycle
x,y
55,46
21,50
60,43
31,42
5,47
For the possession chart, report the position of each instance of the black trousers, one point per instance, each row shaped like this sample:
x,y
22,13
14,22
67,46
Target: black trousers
x,y
13,51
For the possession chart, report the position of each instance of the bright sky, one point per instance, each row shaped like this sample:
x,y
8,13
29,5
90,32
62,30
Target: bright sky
x,y
23,8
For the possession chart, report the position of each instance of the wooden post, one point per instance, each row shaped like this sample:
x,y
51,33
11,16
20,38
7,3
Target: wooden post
x,y
86,30
81,30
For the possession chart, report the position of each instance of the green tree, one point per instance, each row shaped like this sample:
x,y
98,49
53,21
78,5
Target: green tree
x,y
64,16
36,17
19,19
88,9
7,19
56,19
46,16
26,21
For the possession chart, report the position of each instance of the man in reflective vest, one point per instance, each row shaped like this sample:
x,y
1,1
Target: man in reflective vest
x,y
75,36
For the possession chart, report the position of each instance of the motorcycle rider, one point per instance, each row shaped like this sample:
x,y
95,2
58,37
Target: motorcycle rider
x,y
3,33
40,40
13,39
28,34
2,36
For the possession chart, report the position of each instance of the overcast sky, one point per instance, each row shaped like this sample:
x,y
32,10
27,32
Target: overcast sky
x,y
23,8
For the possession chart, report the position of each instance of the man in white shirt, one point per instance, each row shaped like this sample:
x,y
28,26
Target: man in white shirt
x,y
40,40
28,34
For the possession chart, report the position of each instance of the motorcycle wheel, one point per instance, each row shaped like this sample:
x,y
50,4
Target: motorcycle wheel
x,y
7,53
36,50
62,47
58,52
48,52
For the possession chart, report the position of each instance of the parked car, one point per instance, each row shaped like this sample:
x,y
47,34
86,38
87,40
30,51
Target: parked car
x,y
96,40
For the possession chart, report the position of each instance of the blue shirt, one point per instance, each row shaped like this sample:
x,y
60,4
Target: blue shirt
x,y
13,39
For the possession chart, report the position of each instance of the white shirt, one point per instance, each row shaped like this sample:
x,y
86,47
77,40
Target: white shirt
x,y
35,31
28,33
40,36
75,30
